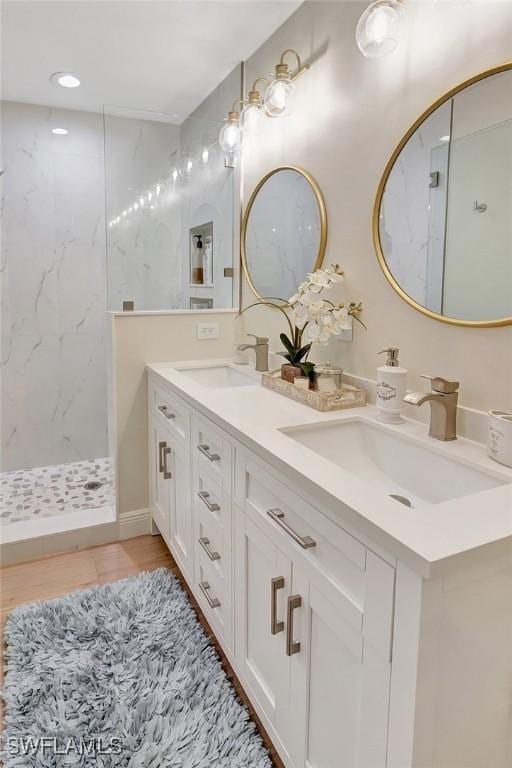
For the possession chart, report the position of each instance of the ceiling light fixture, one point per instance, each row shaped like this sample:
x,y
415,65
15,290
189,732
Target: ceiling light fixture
x,y
60,131
65,79
444,138
280,93
205,155
378,29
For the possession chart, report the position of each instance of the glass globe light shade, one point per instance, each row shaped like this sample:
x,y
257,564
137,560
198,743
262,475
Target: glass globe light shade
x,y
378,29
230,136
280,97
251,118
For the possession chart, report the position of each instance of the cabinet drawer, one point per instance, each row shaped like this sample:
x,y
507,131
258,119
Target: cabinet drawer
x,y
169,411
210,451
301,528
214,597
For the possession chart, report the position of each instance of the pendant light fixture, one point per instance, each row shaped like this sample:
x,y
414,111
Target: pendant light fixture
x,y
378,29
280,93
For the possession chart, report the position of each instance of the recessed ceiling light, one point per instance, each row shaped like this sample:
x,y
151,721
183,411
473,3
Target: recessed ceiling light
x,y
60,131
444,138
65,79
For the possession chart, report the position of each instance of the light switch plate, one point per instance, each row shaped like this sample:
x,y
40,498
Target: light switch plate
x,y
207,330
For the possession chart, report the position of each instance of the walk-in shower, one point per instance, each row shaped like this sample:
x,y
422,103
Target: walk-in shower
x,y
100,216
54,333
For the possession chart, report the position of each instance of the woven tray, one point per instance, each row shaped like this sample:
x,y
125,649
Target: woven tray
x,y
346,397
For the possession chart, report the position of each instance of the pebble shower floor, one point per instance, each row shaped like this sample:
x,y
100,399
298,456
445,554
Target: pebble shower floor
x,y
29,494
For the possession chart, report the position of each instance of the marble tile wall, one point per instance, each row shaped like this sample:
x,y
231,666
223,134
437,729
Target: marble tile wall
x,y
148,248
210,192
144,262
409,234
53,287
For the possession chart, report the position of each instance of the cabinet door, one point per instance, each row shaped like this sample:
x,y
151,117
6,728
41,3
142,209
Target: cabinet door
x,y
262,585
180,507
340,675
159,479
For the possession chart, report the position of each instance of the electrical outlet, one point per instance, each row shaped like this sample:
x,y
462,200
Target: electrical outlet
x,y
207,330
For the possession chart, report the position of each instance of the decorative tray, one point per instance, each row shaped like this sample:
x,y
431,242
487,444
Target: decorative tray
x,y
346,397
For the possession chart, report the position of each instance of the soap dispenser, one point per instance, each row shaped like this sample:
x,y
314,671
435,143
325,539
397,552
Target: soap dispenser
x,y
391,383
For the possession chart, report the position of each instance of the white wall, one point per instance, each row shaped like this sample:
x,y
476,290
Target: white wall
x,y
54,399
153,338
478,264
349,115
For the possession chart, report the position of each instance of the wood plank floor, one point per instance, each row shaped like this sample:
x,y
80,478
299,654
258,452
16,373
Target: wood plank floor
x,y
59,575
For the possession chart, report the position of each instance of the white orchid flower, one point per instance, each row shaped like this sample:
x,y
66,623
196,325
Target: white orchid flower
x,y
312,332
314,308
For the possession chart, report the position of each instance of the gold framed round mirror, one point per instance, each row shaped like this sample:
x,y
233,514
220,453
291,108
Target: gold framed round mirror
x,y
284,232
442,220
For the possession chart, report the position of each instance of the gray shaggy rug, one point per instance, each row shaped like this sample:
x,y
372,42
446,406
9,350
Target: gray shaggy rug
x,y
121,675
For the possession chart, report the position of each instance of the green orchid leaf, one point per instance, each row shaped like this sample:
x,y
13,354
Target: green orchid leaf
x,y
287,343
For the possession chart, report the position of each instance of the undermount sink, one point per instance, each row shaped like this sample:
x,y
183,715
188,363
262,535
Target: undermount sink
x,y
219,376
407,471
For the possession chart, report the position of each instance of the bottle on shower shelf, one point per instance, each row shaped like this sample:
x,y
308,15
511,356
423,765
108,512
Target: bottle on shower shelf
x,y
197,262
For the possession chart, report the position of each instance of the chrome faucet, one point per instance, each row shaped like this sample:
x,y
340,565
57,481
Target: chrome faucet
x,y
260,350
443,399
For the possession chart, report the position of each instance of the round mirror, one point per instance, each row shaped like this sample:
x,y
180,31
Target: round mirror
x,y
443,215
284,232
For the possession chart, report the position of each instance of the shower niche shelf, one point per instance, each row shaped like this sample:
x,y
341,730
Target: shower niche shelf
x,y
201,255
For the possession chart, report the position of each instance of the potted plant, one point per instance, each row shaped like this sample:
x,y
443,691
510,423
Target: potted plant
x,y
312,319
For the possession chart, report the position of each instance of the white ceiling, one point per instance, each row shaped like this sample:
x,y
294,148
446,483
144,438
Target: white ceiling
x,y
163,56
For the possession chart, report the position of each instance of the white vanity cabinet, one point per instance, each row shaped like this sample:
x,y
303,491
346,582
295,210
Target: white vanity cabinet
x,y
169,474
314,625
303,610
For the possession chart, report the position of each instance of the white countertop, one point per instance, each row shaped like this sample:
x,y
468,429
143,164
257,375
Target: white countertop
x,y
425,537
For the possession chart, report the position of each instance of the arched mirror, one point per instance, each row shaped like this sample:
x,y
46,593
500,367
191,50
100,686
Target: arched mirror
x,y
284,232
443,214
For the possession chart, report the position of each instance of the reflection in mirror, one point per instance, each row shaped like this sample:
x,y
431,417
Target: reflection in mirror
x,y
171,210
284,232
445,219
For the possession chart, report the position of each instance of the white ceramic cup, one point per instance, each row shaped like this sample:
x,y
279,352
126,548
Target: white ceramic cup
x,y
500,437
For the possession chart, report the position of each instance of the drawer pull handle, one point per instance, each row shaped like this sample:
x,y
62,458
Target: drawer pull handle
x,y
306,542
166,413
204,586
205,543
165,453
275,625
161,448
204,496
292,646
205,450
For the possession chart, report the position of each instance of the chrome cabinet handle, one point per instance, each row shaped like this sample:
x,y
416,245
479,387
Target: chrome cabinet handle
x,y
204,586
275,625
306,542
161,448
292,646
166,413
205,543
204,496
165,453
205,450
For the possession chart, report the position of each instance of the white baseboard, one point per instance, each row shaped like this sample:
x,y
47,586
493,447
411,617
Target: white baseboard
x,y
137,522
